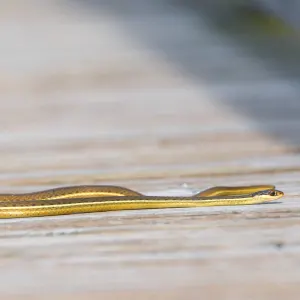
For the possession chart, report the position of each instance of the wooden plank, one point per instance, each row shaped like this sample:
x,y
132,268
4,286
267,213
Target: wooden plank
x,y
138,95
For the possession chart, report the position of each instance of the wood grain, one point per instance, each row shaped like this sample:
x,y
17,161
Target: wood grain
x,y
100,93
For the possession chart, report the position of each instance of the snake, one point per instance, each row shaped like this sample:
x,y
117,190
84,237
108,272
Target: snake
x,y
93,198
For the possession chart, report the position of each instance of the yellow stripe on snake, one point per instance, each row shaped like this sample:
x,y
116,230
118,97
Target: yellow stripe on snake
x,y
98,198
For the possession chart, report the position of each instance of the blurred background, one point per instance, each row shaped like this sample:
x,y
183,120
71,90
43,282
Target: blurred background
x,y
145,94
96,91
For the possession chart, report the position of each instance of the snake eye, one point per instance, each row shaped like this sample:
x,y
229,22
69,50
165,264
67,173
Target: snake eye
x,y
272,193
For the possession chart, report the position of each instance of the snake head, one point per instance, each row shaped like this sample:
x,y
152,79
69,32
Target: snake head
x,y
269,195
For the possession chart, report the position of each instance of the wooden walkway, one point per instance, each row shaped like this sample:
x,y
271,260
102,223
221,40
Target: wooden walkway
x,y
148,96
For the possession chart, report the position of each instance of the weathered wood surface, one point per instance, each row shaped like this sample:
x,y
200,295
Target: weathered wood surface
x,y
137,94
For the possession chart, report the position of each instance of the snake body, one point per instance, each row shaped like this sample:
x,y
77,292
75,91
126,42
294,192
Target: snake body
x,y
230,190
87,199
81,191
